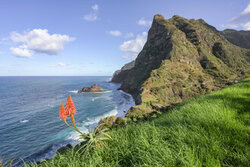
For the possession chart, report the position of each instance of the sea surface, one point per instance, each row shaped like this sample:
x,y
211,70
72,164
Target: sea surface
x,y
30,128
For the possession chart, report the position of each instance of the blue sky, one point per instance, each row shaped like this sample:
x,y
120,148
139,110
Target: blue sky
x,y
93,37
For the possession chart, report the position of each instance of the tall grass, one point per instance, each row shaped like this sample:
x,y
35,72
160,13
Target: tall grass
x,y
212,131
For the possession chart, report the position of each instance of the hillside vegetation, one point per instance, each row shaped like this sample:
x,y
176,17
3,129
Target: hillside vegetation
x,y
239,38
212,130
182,58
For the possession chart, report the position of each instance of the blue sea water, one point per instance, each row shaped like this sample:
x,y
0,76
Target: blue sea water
x,y
30,128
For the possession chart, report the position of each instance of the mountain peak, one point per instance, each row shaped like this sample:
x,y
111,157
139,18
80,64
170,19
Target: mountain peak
x,y
182,58
159,17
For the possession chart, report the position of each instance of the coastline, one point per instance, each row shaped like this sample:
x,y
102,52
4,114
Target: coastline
x,y
51,150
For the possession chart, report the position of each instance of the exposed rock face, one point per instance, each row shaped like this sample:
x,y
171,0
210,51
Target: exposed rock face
x,y
119,75
239,38
93,88
181,59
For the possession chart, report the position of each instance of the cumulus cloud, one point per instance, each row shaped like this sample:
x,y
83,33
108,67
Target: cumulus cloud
x,y
38,41
134,46
247,10
246,26
93,15
114,33
242,20
21,52
144,22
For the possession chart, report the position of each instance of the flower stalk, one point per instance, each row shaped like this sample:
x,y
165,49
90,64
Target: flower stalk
x,y
69,111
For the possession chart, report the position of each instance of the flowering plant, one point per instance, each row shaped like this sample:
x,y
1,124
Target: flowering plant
x,y
94,138
69,111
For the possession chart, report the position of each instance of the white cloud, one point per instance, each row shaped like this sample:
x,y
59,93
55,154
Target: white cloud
x,y
130,56
246,26
115,33
134,45
93,15
247,10
21,52
144,22
129,35
38,41
242,20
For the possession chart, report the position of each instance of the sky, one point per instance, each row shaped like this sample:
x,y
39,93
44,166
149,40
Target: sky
x,y
94,37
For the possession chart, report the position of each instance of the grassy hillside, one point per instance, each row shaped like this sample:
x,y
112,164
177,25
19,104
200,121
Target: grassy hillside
x,y
212,130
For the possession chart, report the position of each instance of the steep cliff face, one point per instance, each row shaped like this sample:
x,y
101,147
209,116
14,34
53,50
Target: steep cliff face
x,y
181,59
239,38
121,74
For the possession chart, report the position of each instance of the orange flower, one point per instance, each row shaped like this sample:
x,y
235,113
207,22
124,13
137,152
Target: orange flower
x,y
70,107
62,113
70,110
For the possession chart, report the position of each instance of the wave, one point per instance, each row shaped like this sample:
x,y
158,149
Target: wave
x,y
24,121
109,79
73,91
91,123
76,91
106,91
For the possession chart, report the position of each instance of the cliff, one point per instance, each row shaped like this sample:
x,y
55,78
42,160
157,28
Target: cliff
x,y
121,74
239,38
181,59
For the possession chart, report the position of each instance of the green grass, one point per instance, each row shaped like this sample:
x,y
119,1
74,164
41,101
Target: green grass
x,y
212,130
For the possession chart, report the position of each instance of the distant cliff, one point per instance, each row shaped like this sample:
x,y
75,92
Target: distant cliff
x,y
239,38
121,74
181,59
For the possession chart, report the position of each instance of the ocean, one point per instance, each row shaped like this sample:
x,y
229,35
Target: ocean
x,y
30,128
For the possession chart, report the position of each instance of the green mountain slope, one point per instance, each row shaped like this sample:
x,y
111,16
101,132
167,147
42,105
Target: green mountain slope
x,y
239,38
181,59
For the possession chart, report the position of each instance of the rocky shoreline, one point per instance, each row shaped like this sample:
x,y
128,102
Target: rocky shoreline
x,y
93,88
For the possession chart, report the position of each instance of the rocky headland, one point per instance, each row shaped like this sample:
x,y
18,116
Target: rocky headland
x,y
182,58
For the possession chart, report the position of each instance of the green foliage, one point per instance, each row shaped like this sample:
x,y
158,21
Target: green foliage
x,y
182,58
94,139
107,122
120,121
210,131
9,164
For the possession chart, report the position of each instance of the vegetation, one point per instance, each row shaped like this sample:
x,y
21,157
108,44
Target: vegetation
x,y
182,58
212,130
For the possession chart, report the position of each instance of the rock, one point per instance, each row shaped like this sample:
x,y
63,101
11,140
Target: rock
x,y
180,52
119,75
93,88
64,149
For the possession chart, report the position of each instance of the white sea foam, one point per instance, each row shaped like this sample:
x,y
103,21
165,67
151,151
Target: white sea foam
x,y
76,91
101,97
91,121
73,91
24,121
106,91
109,79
